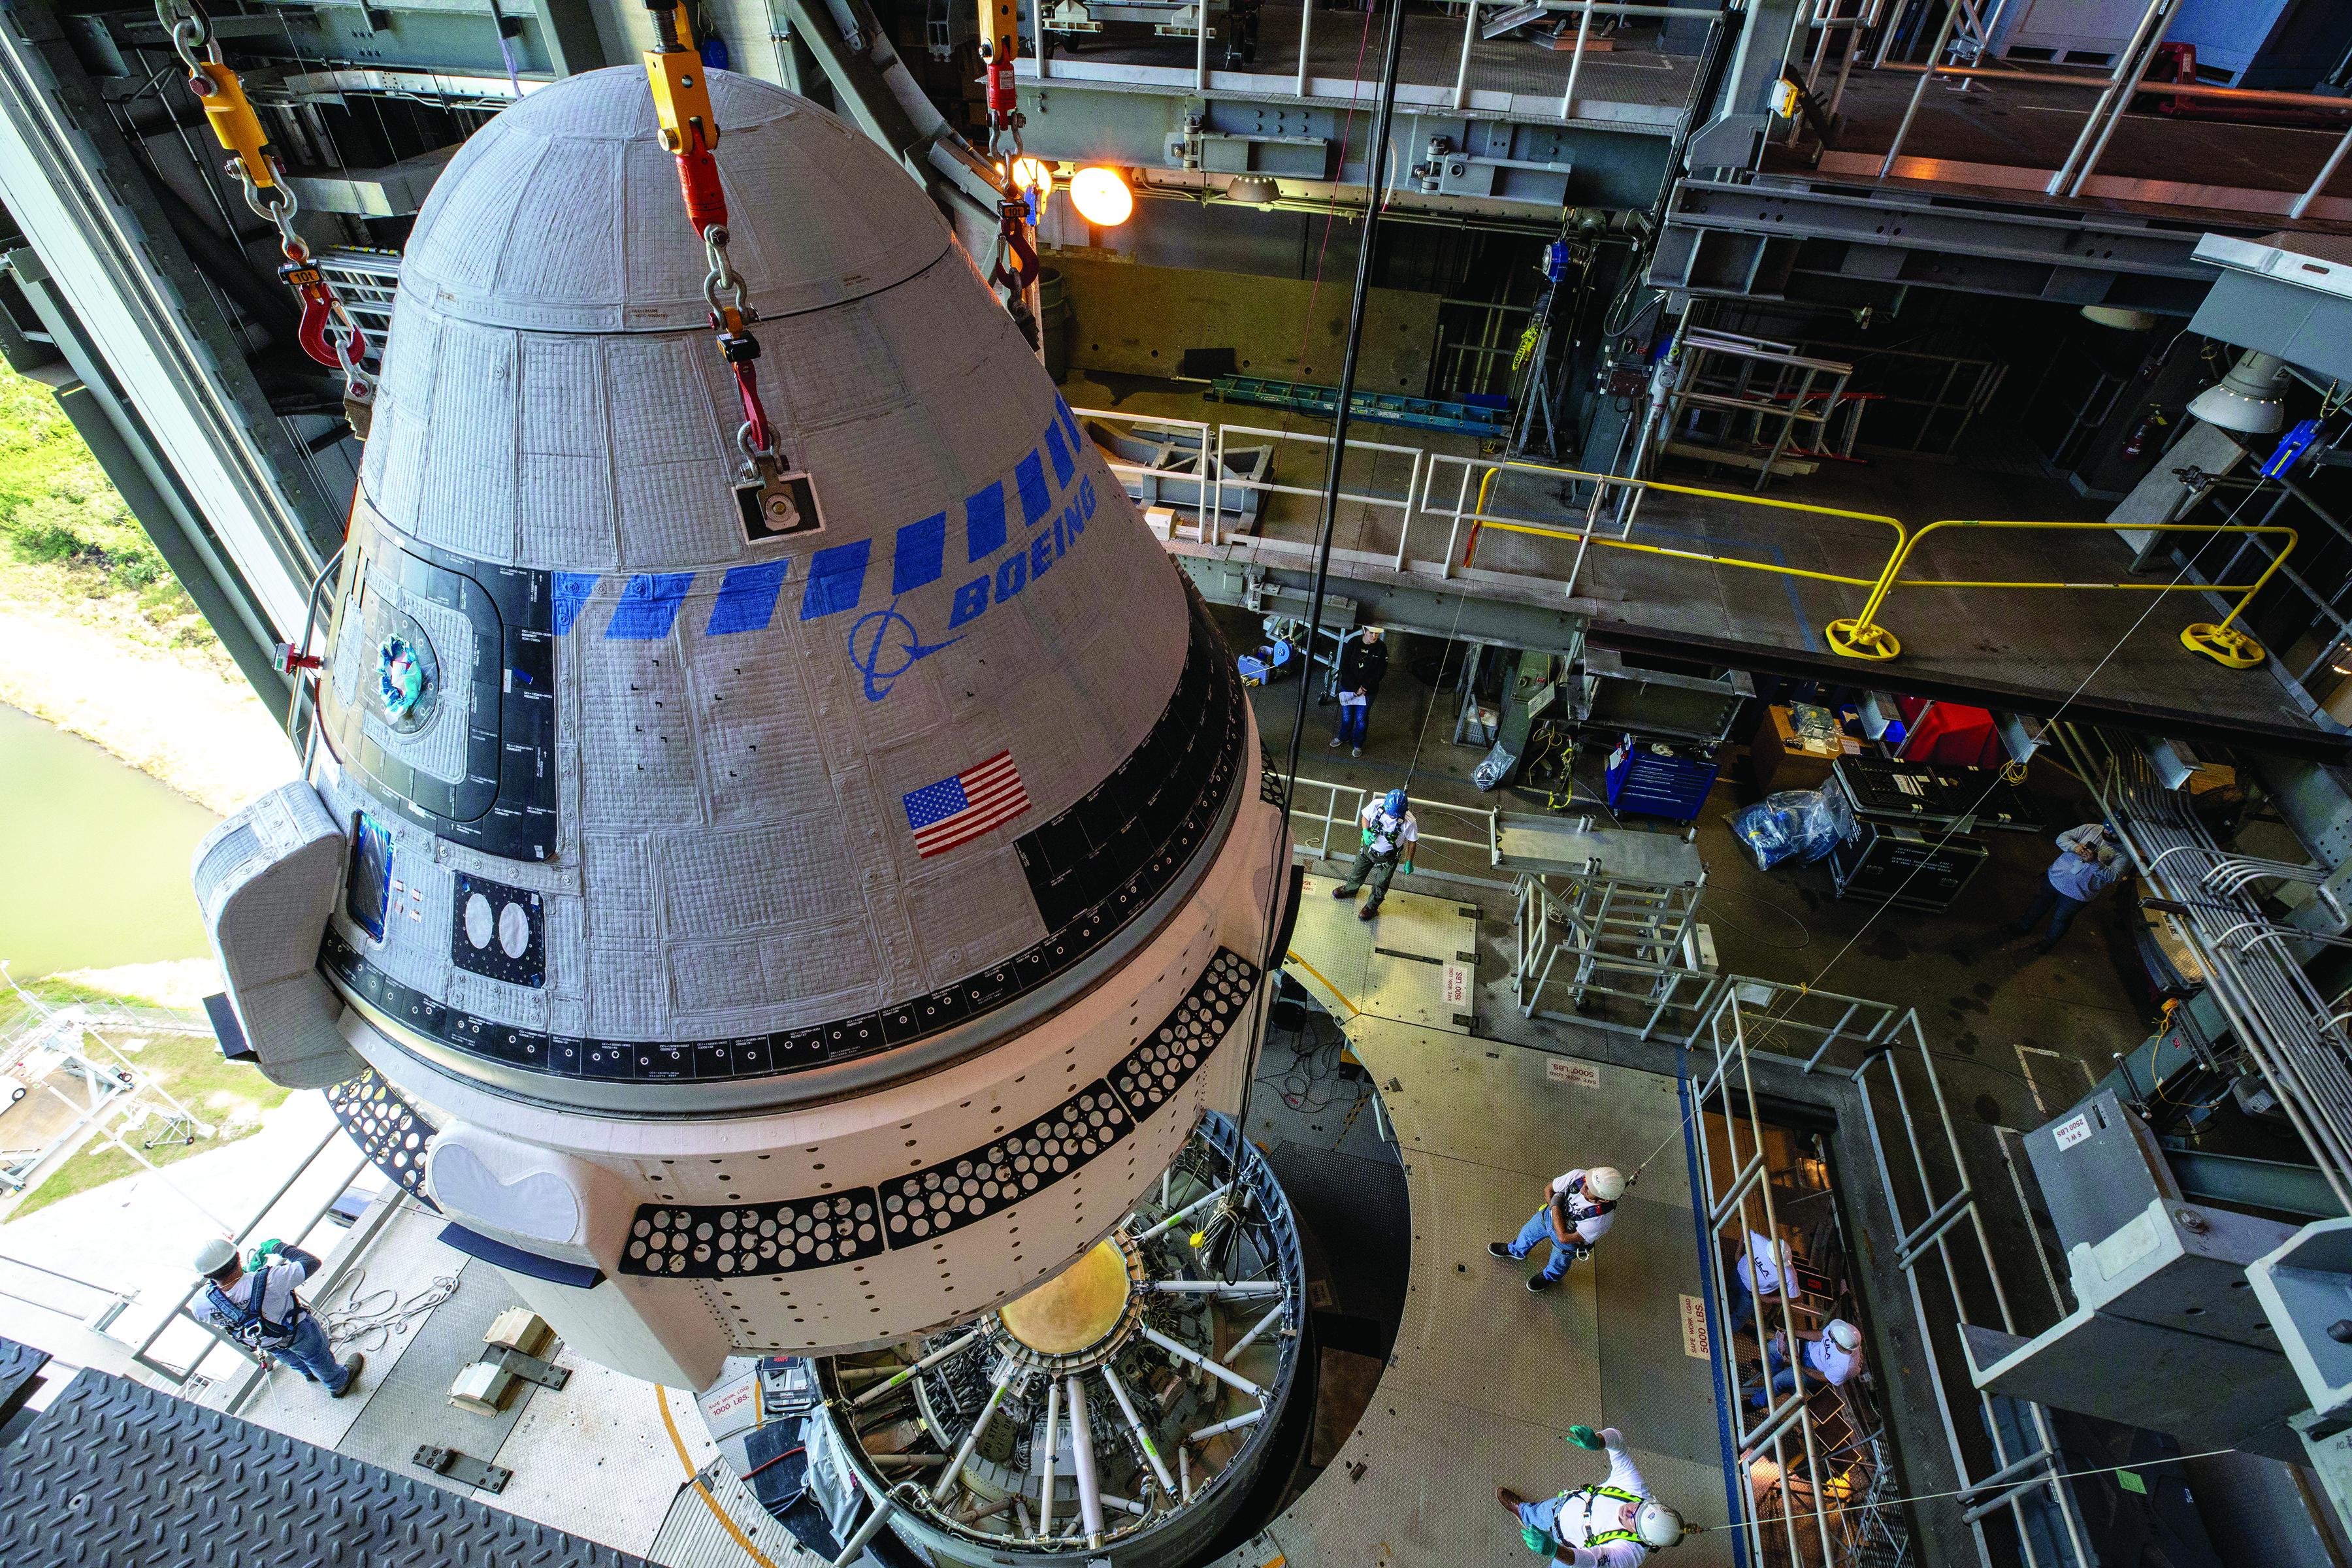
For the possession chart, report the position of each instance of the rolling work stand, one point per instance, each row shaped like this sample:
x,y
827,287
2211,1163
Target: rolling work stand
x,y
1669,721
1915,846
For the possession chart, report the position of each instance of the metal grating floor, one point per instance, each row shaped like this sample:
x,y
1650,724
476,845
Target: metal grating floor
x,y
118,1476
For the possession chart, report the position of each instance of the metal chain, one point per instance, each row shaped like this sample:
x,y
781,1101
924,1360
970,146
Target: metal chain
x,y
689,130
271,199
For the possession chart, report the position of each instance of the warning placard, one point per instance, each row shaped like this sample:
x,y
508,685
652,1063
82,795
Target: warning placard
x,y
1694,1328
1583,1075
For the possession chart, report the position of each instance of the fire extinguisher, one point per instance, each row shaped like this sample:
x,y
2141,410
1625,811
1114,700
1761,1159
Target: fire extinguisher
x,y
2145,432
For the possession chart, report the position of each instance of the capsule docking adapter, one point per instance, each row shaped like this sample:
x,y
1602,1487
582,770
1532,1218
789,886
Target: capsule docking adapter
x,y
751,941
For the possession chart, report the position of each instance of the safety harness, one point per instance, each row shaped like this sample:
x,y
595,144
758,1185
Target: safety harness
x,y
246,1324
1607,1537
1392,829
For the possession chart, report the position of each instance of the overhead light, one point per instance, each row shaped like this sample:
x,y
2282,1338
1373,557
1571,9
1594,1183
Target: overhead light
x,y
1259,191
2122,317
1032,175
1103,199
2250,399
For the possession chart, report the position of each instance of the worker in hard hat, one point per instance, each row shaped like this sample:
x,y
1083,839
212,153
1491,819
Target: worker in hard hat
x,y
257,1308
1390,833
1761,1267
1577,1209
1613,1525
1830,1354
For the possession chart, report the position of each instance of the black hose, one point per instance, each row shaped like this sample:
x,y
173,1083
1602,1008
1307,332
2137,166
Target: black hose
x,y
1328,523
1330,513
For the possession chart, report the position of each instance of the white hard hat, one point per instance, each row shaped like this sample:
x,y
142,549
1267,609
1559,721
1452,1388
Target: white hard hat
x,y
1605,1183
1843,1334
1658,1525
215,1257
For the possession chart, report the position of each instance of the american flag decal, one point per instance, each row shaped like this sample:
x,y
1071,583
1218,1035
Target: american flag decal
x,y
962,807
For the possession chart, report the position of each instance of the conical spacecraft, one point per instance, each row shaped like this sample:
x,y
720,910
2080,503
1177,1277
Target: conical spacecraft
x,y
765,907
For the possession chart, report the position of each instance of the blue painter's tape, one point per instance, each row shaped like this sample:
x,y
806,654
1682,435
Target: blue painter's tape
x,y
1059,450
1036,504
920,556
570,597
836,578
983,522
747,598
650,605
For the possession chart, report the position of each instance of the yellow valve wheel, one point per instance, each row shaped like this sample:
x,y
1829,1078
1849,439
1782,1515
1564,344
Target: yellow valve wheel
x,y
2223,644
1851,639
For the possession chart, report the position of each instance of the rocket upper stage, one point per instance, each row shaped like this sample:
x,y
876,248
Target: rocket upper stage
x,y
782,801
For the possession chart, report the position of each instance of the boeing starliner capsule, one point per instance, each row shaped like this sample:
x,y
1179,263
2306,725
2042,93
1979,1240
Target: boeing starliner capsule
x,y
770,921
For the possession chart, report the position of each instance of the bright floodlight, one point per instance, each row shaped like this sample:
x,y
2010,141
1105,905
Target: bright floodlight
x,y
1102,198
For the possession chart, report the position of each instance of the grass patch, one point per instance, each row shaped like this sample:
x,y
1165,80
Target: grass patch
x,y
227,1097
66,535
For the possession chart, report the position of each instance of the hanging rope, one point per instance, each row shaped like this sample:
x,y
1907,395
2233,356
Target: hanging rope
x,y
326,332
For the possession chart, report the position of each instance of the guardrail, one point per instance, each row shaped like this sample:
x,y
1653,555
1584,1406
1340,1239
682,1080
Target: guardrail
x,y
265,1217
1034,66
2005,1458
1861,636
2116,90
1419,456
1466,517
1212,467
1479,518
1331,820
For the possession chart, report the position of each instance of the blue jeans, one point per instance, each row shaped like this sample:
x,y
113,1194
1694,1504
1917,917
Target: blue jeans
x,y
2044,902
308,1354
1781,1376
1539,1229
1353,716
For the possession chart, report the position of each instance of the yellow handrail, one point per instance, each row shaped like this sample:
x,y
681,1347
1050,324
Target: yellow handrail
x,y
1479,519
1861,636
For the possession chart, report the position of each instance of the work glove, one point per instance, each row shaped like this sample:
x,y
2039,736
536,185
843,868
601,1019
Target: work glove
x,y
1406,867
267,1250
1537,1541
1585,1437
1367,838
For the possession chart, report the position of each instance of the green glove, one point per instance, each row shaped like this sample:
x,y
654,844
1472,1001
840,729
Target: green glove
x,y
1537,1541
1585,1437
1367,838
266,1249
1406,867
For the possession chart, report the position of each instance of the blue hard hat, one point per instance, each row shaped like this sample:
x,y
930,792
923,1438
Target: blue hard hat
x,y
1394,802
